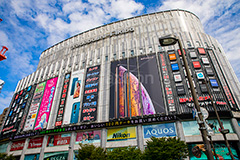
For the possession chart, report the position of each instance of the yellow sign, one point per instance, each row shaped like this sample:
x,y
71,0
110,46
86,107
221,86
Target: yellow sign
x,y
121,133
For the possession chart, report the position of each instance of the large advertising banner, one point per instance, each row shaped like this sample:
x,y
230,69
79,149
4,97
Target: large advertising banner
x,y
119,134
132,96
33,110
90,97
56,156
159,130
191,127
57,140
73,98
32,157
63,99
197,151
35,142
88,137
18,145
46,104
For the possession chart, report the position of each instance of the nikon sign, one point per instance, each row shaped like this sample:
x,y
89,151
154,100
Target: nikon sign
x,y
117,134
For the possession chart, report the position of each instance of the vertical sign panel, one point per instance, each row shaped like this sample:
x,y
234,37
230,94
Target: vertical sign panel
x,y
90,98
73,98
33,110
63,98
45,108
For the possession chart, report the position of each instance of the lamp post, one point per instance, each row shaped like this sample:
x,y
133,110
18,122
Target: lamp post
x,y
223,131
171,40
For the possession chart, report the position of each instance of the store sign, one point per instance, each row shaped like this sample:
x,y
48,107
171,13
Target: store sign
x,y
201,51
213,82
35,142
33,110
88,137
90,97
46,104
175,67
200,75
196,64
94,39
57,140
201,98
56,156
177,78
205,60
121,134
172,57
32,157
17,145
63,98
159,130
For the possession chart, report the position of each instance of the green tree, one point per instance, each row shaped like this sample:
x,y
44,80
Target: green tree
x,y
90,152
4,156
165,148
127,153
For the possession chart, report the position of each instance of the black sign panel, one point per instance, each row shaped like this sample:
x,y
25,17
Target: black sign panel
x,y
90,97
63,98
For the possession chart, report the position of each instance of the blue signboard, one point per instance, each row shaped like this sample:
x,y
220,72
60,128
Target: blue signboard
x,y
159,130
214,82
175,67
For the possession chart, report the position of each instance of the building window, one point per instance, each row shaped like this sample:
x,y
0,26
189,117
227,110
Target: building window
x,y
214,46
189,44
132,52
106,58
141,51
159,48
123,54
114,56
83,64
206,44
98,60
90,62
150,49
198,43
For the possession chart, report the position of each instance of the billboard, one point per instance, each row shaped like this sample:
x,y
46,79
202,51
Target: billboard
x,y
73,98
18,108
57,140
197,151
88,137
119,134
35,142
90,97
18,145
135,90
63,99
46,104
56,156
33,110
32,157
159,130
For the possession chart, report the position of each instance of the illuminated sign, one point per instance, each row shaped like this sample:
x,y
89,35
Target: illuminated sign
x,y
177,78
201,51
179,52
172,57
200,75
193,54
57,140
175,67
88,137
94,39
196,64
213,82
205,60
90,97
201,98
35,142
17,145
159,130
117,134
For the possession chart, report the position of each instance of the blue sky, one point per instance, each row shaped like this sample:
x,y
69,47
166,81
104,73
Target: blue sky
x,y
31,26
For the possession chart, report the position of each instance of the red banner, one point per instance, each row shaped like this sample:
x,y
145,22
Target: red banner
x,y
58,140
17,145
35,143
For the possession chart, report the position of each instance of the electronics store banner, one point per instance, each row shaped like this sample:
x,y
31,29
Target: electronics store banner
x,y
32,157
18,145
46,104
56,156
118,134
88,137
57,140
126,88
73,98
191,127
63,99
33,110
159,130
90,98
197,151
35,142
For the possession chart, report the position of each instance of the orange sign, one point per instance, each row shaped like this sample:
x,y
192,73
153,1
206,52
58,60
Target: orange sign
x,y
172,57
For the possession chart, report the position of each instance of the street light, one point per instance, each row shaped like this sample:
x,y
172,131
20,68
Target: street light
x,y
171,40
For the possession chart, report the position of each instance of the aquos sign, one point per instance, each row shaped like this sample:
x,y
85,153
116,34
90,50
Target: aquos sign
x,y
94,39
159,130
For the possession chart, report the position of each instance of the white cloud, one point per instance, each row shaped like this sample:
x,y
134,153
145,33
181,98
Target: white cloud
x,y
5,99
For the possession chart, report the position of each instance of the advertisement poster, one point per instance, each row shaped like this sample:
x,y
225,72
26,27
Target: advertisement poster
x,y
56,156
191,127
46,104
159,130
57,140
33,110
119,134
73,98
18,145
90,97
32,157
127,90
18,108
63,99
35,142
88,137
197,151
